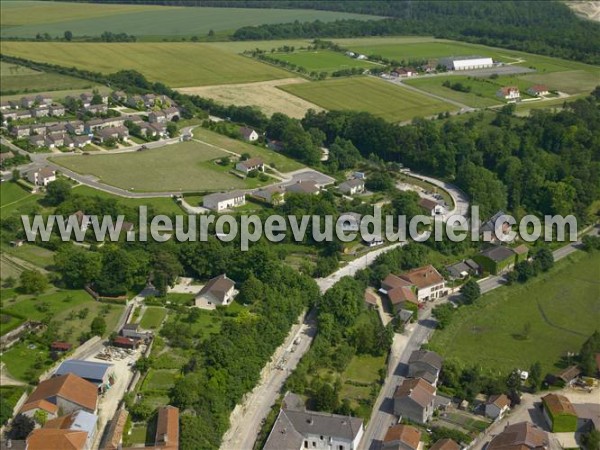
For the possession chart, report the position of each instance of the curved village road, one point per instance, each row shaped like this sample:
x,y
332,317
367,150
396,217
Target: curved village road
x,y
418,334
459,198
247,418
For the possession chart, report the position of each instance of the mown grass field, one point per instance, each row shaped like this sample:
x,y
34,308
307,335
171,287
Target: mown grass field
x,y
270,157
561,308
393,103
570,81
175,64
27,18
153,317
17,78
38,256
322,60
157,205
187,166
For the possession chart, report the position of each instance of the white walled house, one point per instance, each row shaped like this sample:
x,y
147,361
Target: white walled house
x,y
509,93
224,200
352,187
249,134
42,177
497,406
538,90
219,291
250,164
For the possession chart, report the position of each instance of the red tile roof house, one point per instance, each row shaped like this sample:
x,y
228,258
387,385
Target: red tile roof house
x,y
418,285
250,164
167,428
68,393
414,399
402,437
509,93
497,406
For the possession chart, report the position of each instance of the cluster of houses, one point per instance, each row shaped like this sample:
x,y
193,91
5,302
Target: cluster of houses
x,y
513,92
74,134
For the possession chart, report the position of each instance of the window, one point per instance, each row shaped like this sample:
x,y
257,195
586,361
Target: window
x,y
341,447
321,437
314,443
305,444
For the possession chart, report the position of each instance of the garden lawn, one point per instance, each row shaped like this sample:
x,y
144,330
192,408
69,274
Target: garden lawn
x,y
322,60
153,318
186,166
280,162
561,308
15,199
161,380
381,98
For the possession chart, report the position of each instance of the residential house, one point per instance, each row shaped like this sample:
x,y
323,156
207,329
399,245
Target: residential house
x,y
509,93
224,200
149,100
425,364
27,102
414,400
120,133
404,72
219,291
158,129
56,140
427,281
248,134
463,269
133,331
56,110
274,195
14,104
99,374
167,428
559,413
399,292
157,117
352,187
445,444
118,96
41,177
93,125
172,113
304,187
86,99
37,141
432,207
80,141
9,115
75,127
488,229
5,105
496,406
43,100
538,90
44,439
76,421
522,436
20,131
115,429
56,128
68,392
78,220
96,109
499,259
402,437
250,164
362,57
135,101
31,407
22,115
568,376
298,428
39,128
41,111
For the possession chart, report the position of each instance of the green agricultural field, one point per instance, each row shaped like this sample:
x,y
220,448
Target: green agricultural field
x,y
27,18
187,166
38,256
571,81
60,95
175,64
153,317
560,307
383,99
157,205
322,60
270,157
17,78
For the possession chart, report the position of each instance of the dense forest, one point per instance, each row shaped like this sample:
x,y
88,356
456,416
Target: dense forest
x,y
542,27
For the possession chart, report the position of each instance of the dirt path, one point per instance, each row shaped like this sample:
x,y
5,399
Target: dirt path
x,y
264,94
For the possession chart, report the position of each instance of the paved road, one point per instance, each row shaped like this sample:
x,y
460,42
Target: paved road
x,y
247,419
459,198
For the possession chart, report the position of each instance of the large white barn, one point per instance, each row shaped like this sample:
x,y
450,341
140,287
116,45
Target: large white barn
x,y
470,63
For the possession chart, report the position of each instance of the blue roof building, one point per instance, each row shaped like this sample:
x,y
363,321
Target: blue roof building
x,y
94,372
